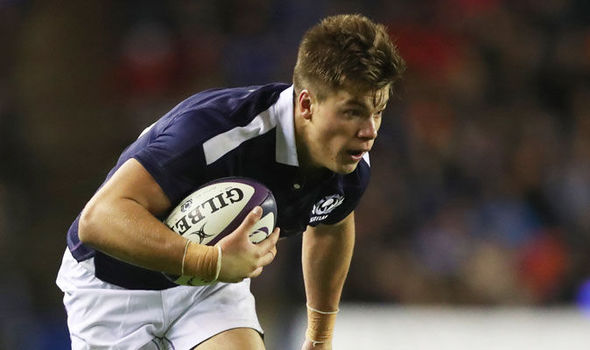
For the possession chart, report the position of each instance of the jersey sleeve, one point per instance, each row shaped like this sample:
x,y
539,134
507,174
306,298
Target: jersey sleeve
x,y
173,153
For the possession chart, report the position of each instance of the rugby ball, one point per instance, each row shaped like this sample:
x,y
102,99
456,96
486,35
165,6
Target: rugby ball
x,y
216,209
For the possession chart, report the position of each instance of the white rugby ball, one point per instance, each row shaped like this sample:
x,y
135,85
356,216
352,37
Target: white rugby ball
x,y
216,209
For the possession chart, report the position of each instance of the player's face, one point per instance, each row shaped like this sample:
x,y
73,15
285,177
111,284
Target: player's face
x,y
343,127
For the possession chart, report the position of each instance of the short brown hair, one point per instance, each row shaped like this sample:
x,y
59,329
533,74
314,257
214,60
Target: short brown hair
x,y
346,51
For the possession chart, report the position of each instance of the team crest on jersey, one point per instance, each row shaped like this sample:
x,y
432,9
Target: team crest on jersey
x,y
325,206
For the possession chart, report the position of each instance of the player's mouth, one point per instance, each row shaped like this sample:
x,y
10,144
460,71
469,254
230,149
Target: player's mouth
x,y
356,155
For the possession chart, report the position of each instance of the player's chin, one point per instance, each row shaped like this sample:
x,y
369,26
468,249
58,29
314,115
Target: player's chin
x,y
345,168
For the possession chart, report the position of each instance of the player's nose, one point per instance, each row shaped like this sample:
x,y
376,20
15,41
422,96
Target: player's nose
x,y
368,129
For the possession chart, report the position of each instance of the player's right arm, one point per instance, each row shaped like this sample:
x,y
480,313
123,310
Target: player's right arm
x,y
120,220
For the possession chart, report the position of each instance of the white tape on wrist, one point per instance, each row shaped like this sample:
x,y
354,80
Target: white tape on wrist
x,y
322,312
188,241
314,342
218,268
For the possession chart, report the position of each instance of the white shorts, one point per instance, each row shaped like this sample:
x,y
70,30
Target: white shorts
x,y
105,316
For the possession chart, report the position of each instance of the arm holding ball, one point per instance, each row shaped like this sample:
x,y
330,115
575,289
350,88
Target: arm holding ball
x,y
120,220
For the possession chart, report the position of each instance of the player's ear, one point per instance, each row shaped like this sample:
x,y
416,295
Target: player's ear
x,y
304,103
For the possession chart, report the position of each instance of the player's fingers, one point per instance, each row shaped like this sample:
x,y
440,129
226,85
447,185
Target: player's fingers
x,y
256,272
231,279
275,234
271,241
268,257
251,219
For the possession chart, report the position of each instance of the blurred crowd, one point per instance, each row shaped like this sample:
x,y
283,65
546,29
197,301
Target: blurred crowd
x,y
481,173
481,187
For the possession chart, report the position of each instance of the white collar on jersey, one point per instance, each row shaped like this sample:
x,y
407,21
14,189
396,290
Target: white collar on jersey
x,y
286,150
280,114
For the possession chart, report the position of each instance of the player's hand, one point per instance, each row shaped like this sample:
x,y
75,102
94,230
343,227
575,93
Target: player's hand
x,y
241,258
307,345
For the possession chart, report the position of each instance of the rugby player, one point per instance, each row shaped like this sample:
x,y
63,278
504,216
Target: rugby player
x,y
307,142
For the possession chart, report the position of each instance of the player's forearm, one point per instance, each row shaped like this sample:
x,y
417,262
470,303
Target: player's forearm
x,y
327,251
125,230
326,257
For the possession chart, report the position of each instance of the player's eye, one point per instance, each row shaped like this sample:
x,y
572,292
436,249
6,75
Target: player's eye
x,y
352,113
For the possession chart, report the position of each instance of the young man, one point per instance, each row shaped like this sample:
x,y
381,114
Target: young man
x,y
308,143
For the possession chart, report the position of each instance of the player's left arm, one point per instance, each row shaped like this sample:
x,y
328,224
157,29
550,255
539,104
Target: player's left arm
x,y
326,255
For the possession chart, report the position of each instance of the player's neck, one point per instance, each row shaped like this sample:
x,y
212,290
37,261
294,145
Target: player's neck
x,y
303,157
308,171
307,167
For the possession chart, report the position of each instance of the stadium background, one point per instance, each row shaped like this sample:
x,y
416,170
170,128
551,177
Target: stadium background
x,y
481,174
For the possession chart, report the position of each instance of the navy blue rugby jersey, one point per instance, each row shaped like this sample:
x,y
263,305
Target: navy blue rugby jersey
x,y
229,132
